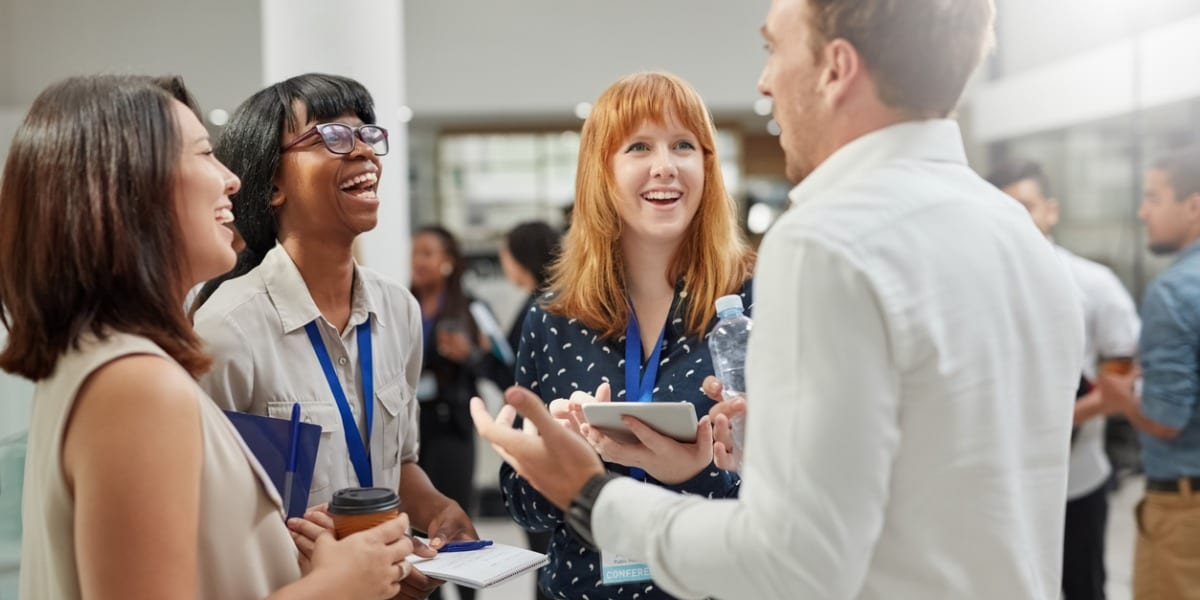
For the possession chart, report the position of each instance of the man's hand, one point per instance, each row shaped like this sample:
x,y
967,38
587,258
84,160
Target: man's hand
x,y
1116,393
555,461
663,458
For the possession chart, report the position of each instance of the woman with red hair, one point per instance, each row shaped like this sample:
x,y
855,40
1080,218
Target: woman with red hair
x,y
654,241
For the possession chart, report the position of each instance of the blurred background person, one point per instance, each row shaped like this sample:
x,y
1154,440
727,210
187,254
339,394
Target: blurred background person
x,y
452,341
299,321
525,257
1168,518
137,485
1111,330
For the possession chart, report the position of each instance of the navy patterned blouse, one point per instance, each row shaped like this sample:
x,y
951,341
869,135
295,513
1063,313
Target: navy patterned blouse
x,y
558,356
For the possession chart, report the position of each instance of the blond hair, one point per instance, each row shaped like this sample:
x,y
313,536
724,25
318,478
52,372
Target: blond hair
x,y
588,279
920,52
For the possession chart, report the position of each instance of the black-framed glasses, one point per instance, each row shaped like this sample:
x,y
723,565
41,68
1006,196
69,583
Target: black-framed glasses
x,y
339,137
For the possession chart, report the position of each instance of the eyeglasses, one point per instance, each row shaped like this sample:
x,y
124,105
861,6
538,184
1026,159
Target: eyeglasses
x,y
339,137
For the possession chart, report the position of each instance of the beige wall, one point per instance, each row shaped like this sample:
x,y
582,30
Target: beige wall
x,y
214,44
467,57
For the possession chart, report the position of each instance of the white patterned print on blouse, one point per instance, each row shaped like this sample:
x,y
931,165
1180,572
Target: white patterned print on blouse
x,y
558,356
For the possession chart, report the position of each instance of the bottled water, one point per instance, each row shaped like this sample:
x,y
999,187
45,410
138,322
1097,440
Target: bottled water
x,y
727,345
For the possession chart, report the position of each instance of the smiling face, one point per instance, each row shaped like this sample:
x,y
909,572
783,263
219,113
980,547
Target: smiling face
x,y
203,209
323,194
658,176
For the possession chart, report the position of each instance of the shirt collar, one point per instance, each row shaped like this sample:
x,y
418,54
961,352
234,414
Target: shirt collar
x,y
937,140
1191,250
294,305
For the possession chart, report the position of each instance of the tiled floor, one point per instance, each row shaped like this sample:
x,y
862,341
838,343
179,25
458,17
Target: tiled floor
x,y
1119,546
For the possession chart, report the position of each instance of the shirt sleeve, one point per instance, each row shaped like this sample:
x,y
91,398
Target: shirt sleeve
x,y
230,381
1169,378
820,446
527,506
1117,323
410,448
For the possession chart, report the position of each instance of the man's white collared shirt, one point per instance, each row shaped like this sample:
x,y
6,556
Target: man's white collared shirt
x,y
911,381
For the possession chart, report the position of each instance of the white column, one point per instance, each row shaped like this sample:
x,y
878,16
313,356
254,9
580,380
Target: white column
x,y
363,40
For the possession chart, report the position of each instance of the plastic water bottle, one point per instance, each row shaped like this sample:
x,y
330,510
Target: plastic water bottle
x,y
727,345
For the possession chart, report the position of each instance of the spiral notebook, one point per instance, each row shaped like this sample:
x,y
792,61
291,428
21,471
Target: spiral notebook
x,y
480,569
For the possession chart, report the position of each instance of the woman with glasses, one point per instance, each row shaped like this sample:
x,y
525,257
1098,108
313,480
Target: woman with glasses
x,y
298,321
136,485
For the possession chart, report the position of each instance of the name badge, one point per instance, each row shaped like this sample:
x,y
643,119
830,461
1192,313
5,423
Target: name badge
x,y
616,569
427,387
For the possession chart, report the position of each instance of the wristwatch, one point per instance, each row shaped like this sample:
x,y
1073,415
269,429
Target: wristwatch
x,y
579,514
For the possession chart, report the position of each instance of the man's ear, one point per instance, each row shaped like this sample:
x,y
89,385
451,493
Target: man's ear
x,y
842,68
1192,205
1052,211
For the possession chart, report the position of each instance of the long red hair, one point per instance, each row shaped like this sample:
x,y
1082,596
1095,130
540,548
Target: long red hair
x,y
588,279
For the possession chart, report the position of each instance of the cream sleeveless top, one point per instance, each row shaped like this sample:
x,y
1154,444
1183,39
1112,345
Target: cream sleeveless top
x,y
245,550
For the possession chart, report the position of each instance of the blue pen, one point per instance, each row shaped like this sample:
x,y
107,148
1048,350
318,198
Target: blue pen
x,y
293,445
465,546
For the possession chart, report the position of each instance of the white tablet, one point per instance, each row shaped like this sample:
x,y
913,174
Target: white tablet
x,y
676,420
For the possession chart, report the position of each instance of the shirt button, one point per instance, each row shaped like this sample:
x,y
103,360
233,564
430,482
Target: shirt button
x,y
342,360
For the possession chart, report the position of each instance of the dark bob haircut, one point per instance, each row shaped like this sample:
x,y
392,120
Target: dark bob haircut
x,y
1018,171
251,146
89,237
534,244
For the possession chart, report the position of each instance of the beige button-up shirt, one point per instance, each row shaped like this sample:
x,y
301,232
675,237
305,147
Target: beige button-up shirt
x,y
263,362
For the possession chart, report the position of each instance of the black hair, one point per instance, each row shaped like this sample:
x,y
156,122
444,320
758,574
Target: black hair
x,y
1183,171
251,146
534,245
1013,172
456,296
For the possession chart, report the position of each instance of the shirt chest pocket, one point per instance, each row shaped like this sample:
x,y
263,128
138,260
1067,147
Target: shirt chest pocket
x,y
326,416
397,429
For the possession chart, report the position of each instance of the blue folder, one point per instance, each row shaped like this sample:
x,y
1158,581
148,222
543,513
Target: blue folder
x,y
269,440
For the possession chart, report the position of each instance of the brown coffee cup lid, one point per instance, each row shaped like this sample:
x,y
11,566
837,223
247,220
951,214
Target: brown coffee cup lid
x,y
363,501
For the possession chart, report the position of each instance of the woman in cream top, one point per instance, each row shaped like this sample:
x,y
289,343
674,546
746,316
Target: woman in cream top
x,y
111,207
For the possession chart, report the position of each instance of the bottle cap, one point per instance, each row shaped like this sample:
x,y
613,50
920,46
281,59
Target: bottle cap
x,y
730,302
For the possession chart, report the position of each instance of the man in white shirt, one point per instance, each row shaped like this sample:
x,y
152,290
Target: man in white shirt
x,y
1111,327
918,348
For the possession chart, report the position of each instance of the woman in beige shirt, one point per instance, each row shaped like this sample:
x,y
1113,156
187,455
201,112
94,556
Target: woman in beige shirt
x,y
308,152
136,486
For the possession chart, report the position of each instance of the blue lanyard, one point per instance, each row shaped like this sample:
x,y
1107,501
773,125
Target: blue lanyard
x,y
360,455
639,386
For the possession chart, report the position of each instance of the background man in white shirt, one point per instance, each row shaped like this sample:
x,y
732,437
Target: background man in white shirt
x,y
918,348
1111,328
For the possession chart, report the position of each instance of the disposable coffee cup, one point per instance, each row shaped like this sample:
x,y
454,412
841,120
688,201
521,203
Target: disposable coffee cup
x,y
358,509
